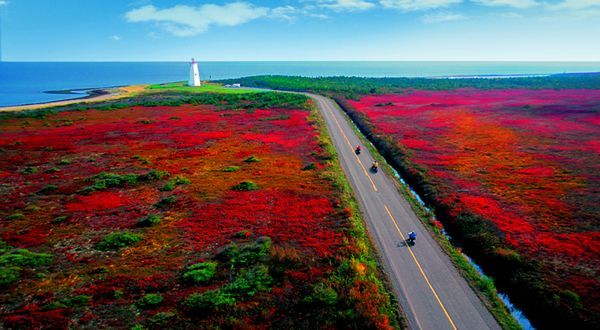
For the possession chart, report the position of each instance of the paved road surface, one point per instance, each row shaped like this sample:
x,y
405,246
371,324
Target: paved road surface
x,y
430,290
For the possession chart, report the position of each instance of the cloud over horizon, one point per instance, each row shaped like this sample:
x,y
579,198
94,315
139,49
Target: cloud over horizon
x,y
184,20
443,17
520,4
346,4
415,5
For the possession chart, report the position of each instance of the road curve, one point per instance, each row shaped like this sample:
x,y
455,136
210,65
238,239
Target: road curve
x,y
430,290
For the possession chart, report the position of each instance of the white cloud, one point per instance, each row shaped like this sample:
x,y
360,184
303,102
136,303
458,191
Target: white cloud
x,y
414,5
115,38
183,20
287,13
442,17
575,4
346,4
520,4
512,15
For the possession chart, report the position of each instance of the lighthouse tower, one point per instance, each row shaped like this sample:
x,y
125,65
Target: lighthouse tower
x,y
194,79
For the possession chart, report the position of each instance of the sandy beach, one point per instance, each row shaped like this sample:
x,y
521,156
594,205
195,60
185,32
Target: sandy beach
x,y
111,94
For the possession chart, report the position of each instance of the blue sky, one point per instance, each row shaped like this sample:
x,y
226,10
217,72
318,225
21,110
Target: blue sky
x,y
213,30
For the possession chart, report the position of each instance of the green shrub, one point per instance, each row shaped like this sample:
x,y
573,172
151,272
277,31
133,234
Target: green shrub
x,y
231,168
248,254
209,301
138,327
150,300
201,272
32,208
24,258
322,294
59,219
154,175
78,301
252,159
166,202
251,281
149,221
29,170
48,189
161,319
106,180
9,275
64,161
242,234
53,170
53,305
141,159
15,216
245,186
118,294
310,166
176,181
117,240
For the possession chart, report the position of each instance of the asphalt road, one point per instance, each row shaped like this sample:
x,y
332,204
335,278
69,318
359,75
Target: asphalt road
x,y
430,290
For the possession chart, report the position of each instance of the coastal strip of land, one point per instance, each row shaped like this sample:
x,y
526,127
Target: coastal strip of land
x,y
100,95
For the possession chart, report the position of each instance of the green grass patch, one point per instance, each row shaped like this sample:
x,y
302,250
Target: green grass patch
x,y
166,202
107,180
213,300
205,88
149,221
29,170
12,262
176,181
309,167
150,300
231,169
201,272
59,219
252,159
15,216
118,240
245,186
48,189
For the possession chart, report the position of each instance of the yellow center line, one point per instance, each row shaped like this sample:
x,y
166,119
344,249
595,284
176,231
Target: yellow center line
x,y
352,148
420,268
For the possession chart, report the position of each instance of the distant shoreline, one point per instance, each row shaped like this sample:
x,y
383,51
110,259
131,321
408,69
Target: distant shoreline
x,y
92,95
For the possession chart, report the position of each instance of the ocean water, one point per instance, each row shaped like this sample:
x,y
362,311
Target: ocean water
x,y
29,82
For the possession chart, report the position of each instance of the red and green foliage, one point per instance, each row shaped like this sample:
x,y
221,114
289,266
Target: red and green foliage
x,y
523,165
143,225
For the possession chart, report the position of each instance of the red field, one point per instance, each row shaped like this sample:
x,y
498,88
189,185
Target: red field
x,y
528,160
226,218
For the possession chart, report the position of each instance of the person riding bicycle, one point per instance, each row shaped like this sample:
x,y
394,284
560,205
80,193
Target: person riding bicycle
x,y
412,236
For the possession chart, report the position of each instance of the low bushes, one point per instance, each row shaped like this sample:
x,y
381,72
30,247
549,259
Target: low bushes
x,y
117,240
150,220
106,180
150,300
201,272
245,186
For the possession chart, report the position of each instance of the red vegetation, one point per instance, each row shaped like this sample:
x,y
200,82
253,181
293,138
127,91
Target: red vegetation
x,y
528,160
298,209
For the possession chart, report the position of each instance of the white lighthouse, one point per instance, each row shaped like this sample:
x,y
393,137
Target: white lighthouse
x,y
194,75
